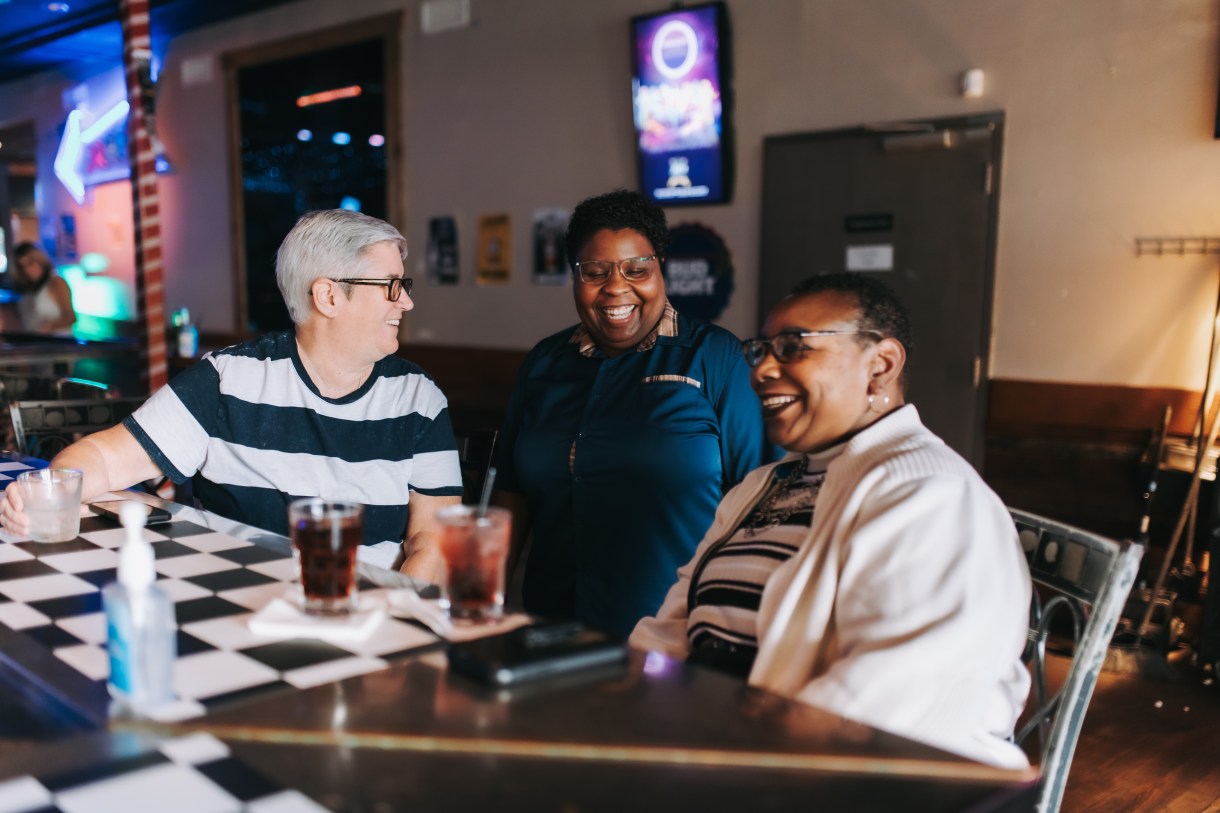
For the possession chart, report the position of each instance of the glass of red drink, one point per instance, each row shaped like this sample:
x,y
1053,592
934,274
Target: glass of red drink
x,y
475,549
325,537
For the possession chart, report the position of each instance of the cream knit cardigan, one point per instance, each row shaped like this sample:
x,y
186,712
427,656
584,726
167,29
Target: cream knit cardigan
x,y
905,608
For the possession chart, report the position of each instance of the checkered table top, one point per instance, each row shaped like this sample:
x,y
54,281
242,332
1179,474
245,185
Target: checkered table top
x,y
9,469
50,594
197,772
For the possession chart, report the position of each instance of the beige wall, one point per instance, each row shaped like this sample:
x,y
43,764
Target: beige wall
x,y
1110,107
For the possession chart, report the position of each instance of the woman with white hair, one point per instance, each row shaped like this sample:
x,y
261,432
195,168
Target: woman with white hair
x,y
323,410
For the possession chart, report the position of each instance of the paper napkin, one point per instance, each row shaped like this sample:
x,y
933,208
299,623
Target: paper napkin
x,y
434,615
283,619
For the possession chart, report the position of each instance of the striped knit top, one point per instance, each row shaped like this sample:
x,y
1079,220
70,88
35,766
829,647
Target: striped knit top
x,y
728,582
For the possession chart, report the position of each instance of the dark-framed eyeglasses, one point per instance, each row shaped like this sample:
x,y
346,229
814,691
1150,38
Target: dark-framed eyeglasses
x,y
394,286
788,346
633,269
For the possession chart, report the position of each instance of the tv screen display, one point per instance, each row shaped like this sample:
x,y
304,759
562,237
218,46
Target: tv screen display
x,y
680,93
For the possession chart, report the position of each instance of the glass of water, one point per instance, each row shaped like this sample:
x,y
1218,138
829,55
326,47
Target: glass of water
x,y
52,502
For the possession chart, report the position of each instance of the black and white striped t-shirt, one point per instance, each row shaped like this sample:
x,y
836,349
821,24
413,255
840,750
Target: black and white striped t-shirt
x,y
727,586
252,429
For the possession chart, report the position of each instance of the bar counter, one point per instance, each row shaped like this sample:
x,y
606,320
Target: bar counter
x,y
39,348
404,733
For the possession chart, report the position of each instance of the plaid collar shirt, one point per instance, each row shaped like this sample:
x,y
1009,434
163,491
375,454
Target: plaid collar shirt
x,y
667,326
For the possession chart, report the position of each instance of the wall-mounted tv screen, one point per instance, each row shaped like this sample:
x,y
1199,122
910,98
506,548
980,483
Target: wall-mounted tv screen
x,y
683,112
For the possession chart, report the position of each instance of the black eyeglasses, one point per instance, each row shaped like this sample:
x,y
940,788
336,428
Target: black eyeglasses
x,y
394,286
788,346
633,269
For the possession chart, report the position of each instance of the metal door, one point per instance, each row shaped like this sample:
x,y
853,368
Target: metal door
x,y
915,204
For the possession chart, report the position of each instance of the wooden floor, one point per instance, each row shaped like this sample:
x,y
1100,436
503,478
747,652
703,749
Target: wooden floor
x,y
1148,745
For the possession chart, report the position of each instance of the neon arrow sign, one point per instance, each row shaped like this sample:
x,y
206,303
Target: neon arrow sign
x,y
71,147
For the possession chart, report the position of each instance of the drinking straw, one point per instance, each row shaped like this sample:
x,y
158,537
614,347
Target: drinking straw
x,y
486,498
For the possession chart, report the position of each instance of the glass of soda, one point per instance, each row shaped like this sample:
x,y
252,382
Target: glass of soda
x,y
325,537
475,549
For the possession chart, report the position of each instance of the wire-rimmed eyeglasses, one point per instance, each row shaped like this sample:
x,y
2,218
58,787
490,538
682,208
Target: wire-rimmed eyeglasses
x,y
787,346
394,286
633,269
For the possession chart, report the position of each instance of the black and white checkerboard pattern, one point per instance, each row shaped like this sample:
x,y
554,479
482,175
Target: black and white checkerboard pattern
x,y
197,773
50,592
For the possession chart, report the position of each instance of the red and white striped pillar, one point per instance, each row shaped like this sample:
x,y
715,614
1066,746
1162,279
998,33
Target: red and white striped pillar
x,y
150,292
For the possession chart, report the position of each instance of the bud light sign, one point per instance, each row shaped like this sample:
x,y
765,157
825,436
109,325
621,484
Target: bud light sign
x,y
698,272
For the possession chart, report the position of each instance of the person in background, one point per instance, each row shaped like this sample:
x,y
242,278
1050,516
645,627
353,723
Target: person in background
x,y
46,301
323,410
622,432
871,572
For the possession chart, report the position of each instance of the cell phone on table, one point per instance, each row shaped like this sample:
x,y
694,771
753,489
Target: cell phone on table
x,y
110,510
529,653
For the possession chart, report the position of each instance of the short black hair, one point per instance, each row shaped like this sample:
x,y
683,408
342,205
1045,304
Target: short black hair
x,y
880,308
617,210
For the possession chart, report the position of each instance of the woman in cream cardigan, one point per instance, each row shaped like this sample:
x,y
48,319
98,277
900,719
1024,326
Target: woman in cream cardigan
x,y
871,572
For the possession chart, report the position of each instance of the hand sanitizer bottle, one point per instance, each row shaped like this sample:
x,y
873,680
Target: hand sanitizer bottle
x,y
140,624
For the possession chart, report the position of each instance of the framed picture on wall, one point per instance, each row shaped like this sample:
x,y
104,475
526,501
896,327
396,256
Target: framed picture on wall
x,y
442,256
550,261
495,250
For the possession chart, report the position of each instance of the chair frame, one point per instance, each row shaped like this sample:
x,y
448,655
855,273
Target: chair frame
x,y
1092,576
475,450
18,385
29,439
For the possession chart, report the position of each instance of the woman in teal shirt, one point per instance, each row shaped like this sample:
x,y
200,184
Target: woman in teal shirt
x,y
624,431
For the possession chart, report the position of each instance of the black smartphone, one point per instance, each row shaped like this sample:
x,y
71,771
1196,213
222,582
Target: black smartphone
x,y
110,510
534,652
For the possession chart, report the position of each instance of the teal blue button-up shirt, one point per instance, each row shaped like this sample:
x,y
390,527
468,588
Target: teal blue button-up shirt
x,y
622,462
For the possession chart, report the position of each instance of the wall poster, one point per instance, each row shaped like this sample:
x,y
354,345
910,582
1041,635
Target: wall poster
x,y
550,259
495,250
442,256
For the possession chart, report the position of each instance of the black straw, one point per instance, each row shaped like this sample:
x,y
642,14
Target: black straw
x,y
491,478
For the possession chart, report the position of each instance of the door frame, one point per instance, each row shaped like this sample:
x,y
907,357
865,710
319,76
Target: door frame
x,y
387,28
992,120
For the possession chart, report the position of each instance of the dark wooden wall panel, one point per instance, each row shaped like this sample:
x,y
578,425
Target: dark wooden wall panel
x,y
1069,451
1086,412
477,380
1074,452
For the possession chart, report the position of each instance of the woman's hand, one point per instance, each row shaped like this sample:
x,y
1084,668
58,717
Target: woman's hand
x,y
12,514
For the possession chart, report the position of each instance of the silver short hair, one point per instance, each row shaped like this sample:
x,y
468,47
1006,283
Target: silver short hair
x,y
327,243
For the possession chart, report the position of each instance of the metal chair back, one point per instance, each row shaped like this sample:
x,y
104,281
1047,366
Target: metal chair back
x,y
1085,578
20,385
80,388
475,449
44,428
